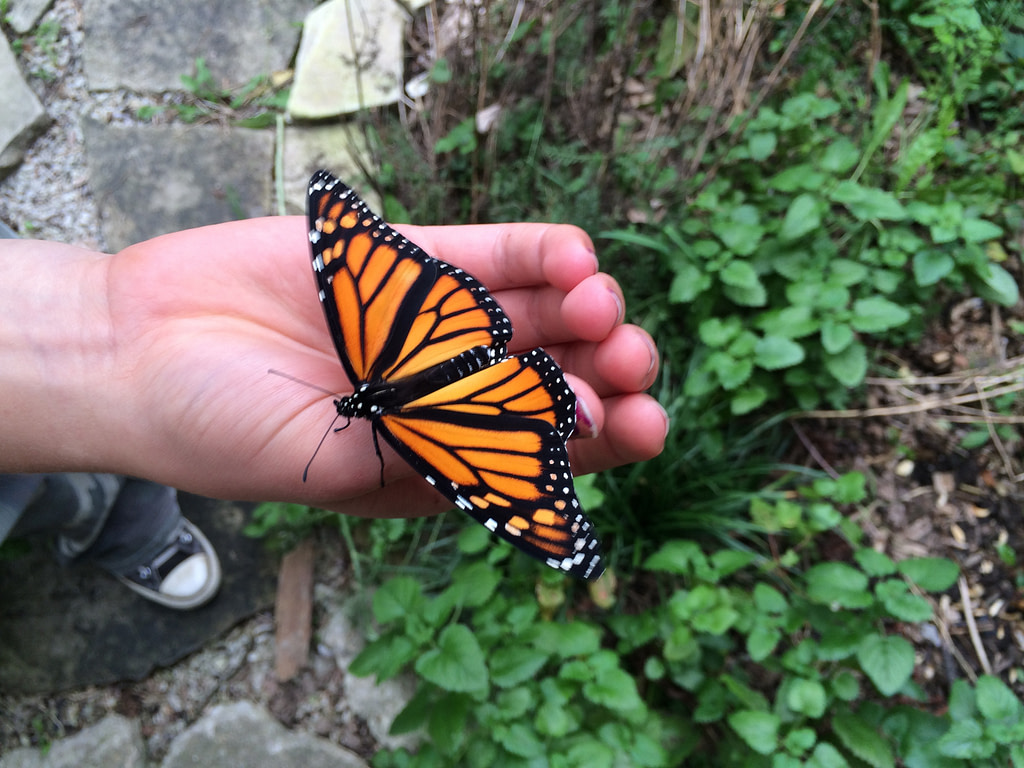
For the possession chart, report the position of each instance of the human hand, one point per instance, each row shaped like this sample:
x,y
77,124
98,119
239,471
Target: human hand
x,y
197,318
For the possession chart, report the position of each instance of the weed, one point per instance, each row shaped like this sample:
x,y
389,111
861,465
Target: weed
x,y
255,105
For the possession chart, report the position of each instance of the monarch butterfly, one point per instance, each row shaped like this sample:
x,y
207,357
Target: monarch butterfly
x,y
424,345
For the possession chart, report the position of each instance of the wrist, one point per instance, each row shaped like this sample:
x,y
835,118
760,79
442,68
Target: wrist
x,y
56,359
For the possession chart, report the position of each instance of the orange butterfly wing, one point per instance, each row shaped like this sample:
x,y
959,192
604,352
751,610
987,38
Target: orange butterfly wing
x,y
424,345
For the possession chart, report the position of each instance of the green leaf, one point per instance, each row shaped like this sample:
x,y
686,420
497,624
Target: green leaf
x,y
447,725
792,322
849,488
589,753
845,686
840,156
716,332
837,584
754,296
741,230
768,599
566,640
762,640
760,730
900,603
846,272
614,689
799,740
868,203
826,756
802,216
966,740
775,352
384,657
676,556
930,266
397,598
555,719
457,663
797,177
996,285
876,314
807,697
761,145
519,739
473,585
996,702
740,275
689,282
974,439
850,366
979,230
932,574
747,399
887,661
962,702
473,539
515,664
874,563
415,714
727,561
732,373
835,336
462,137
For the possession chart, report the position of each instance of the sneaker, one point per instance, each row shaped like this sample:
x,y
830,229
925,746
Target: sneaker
x,y
184,575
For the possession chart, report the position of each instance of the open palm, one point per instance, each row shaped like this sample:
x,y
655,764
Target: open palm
x,y
199,318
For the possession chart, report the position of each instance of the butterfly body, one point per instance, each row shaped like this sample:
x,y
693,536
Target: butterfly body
x,y
425,347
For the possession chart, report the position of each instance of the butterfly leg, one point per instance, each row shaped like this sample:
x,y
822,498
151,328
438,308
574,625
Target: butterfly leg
x,y
380,456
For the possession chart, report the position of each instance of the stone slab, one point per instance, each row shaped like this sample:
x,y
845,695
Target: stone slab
x,y
378,702
146,45
243,735
350,58
341,149
24,14
66,628
149,180
22,117
112,742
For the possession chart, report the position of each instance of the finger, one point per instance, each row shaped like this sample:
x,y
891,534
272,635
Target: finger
x,y
626,361
543,316
589,409
512,255
635,428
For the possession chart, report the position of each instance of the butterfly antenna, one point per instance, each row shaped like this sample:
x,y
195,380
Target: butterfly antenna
x,y
305,472
282,374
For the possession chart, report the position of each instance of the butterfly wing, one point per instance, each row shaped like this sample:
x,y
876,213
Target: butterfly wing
x,y
425,344
493,443
393,311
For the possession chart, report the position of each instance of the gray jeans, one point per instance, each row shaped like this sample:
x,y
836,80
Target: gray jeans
x,y
111,520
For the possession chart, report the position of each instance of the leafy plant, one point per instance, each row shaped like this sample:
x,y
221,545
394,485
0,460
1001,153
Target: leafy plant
x,y
773,255
787,270
285,525
500,683
254,105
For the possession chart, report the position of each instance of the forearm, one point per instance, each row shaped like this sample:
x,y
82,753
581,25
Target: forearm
x,y
56,358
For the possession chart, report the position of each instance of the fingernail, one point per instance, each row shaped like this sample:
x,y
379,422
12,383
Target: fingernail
x,y
654,359
668,420
620,308
585,425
